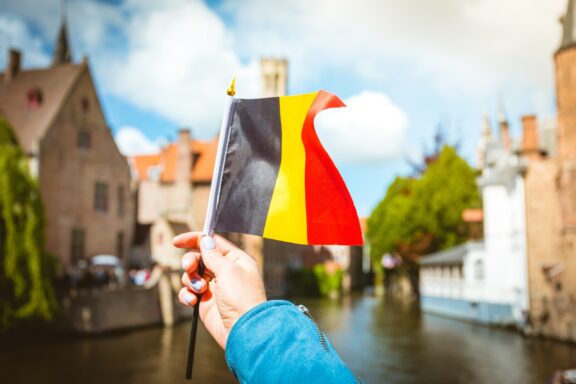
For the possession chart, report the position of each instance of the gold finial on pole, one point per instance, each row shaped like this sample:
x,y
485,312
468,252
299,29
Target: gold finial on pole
x,y
231,90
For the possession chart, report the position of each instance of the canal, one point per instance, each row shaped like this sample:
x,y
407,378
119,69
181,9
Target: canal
x,y
385,341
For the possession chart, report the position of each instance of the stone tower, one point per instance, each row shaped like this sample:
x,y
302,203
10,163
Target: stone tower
x,y
565,62
273,76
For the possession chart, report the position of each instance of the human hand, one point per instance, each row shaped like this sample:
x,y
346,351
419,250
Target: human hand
x,y
235,289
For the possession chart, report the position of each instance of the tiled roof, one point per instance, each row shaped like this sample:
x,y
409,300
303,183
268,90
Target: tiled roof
x,y
54,83
473,215
204,155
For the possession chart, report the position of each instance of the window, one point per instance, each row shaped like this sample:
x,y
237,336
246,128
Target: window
x,y
77,244
479,270
154,172
120,196
84,105
101,197
83,139
34,98
120,245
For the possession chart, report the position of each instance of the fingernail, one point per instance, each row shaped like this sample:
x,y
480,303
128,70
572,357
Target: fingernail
x,y
187,298
208,243
185,263
196,285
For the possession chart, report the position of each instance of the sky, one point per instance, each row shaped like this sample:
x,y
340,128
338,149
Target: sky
x,y
404,68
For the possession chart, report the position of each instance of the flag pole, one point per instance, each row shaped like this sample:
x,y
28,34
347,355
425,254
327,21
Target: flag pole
x,y
211,211
219,164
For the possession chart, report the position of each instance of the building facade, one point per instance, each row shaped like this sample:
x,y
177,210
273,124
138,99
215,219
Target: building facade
x,y
546,201
172,189
486,281
85,182
551,203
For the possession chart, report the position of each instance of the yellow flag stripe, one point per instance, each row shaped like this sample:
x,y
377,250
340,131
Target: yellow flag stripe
x,y
286,218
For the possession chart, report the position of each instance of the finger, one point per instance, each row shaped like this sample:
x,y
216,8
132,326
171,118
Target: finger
x,y
187,240
211,255
187,298
190,261
194,282
224,245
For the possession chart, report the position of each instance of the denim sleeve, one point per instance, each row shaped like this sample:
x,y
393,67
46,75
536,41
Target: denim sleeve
x,y
276,342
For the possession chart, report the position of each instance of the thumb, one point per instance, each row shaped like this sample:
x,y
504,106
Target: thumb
x,y
212,257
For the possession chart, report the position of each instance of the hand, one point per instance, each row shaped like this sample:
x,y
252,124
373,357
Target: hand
x,y
235,289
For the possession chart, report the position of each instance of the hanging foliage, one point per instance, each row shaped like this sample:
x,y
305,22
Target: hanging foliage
x,y
26,270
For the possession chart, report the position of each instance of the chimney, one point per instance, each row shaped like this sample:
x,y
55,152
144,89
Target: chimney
x,y
184,153
13,65
530,146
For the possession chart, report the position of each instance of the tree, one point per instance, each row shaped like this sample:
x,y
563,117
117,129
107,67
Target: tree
x,y
26,270
423,214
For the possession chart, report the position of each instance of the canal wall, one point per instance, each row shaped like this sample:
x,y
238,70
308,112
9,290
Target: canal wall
x,y
94,311
479,312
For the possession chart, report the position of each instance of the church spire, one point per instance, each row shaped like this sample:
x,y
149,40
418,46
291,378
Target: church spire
x,y
569,26
62,53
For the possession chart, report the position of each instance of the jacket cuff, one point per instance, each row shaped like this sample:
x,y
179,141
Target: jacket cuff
x,y
235,339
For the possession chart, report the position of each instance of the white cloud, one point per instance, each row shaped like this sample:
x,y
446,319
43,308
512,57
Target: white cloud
x,y
178,63
456,45
175,57
16,34
371,128
131,141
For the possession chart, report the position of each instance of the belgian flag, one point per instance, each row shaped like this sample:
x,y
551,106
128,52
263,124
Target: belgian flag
x,y
277,180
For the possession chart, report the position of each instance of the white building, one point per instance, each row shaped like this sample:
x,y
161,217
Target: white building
x,y
486,281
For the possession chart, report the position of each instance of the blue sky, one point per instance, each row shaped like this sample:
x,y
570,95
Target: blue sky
x,y
402,67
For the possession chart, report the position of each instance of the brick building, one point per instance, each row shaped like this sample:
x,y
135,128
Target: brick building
x,y
543,166
172,189
551,201
84,180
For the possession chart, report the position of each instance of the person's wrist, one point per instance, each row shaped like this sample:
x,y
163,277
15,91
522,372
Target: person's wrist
x,y
245,308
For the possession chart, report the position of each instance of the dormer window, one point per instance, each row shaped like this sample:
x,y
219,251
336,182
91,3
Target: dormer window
x,y
34,98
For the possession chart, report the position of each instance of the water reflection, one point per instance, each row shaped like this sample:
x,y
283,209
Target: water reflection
x,y
384,340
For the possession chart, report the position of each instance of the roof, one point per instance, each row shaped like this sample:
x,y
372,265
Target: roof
x,y
54,83
473,215
204,155
452,256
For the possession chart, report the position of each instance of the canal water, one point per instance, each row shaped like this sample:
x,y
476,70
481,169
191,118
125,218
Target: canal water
x,y
385,341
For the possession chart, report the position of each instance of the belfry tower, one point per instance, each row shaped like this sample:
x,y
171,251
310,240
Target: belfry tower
x,y
273,77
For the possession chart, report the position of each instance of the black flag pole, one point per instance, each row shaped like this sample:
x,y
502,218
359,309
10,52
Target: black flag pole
x,y
210,213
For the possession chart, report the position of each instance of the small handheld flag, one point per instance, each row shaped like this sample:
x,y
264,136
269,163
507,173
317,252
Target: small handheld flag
x,y
274,179
277,180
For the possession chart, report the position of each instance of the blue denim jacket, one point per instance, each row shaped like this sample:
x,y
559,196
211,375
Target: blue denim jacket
x,y
278,342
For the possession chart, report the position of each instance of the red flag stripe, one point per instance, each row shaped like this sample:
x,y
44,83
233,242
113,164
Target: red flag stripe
x,y
330,213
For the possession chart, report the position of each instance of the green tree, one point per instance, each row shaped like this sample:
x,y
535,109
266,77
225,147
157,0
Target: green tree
x,y
423,214
26,270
